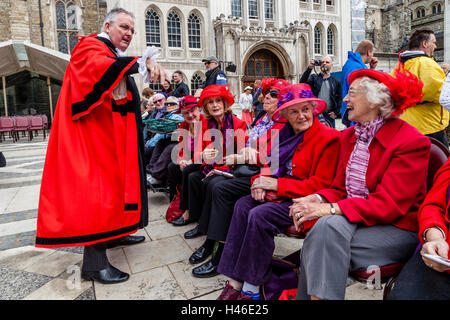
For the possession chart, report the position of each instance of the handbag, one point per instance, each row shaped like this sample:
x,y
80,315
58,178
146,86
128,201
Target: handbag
x,y
284,276
173,211
245,170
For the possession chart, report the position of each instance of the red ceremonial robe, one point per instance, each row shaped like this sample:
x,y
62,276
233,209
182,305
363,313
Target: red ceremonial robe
x,y
93,185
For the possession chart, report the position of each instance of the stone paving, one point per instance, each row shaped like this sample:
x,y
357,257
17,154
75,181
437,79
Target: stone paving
x,y
159,267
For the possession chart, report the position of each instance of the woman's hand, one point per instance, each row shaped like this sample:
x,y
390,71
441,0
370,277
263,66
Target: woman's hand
x,y
233,159
436,246
249,155
209,154
311,198
258,194
305,211
184,163
265,183
157,72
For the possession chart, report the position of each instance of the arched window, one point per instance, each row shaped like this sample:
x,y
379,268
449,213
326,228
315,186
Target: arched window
x,y
174,30
236,8
66,25
423,13
152,29
434,10
196,82
194,33
317,40
439,8
330,41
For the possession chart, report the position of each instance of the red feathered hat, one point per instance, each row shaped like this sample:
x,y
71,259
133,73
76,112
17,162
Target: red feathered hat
x,y
272,83
216,90
405,87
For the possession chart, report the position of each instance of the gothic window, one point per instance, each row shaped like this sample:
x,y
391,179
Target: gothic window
x,y
253,9
268,9
330,41
236,9
196,82
66,25
194,32
317,40
439,8
174,30
152,29
423,13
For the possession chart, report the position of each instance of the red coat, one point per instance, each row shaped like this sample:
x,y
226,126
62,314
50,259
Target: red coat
x,y
205,140
396,177
434,209
92,186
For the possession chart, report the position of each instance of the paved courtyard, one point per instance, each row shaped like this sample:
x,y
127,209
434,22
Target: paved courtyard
x,y
159,267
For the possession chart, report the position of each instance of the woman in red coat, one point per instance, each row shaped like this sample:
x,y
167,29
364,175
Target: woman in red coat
x,y
424,278
305,162
369,214
222,132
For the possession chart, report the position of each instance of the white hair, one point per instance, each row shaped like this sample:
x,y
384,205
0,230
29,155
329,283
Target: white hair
x,y
112,15
378,94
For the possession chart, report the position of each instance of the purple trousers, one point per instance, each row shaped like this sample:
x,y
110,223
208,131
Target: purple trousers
x,y
250,241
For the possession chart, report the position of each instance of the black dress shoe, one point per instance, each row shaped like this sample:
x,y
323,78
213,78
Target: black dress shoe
x,y
206,270
200,255
125,241
194,233
181,222
110,275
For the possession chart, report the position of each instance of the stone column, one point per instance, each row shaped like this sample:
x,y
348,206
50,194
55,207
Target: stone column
x,y
447,31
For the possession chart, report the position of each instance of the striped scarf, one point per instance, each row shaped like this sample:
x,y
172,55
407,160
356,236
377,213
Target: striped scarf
x,y
355,178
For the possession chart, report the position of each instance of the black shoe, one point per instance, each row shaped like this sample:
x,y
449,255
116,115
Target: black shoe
x,y
181,222
206,270
194,233
125,241
110,275
200,255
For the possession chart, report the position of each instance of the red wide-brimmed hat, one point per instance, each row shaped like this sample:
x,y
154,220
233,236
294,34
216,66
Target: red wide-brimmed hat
x,y
216,90
295,94
187,102
272,83
405,87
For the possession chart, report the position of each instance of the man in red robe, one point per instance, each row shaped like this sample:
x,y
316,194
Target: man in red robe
x,y
93,190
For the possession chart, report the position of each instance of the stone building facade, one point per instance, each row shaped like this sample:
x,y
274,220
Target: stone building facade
x,y
389,23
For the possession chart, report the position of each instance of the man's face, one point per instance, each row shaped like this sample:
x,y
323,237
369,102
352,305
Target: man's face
x,y
121,31
430,45
326,65
176,78
210,65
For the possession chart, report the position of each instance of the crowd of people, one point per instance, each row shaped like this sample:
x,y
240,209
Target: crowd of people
x,y
359,195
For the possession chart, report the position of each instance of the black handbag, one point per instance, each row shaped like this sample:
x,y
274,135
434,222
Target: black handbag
x,y
2,160
245,170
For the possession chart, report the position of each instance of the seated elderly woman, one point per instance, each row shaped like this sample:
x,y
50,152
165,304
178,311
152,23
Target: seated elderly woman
x,y
221,132
180,169
160,155
369,214
424,278
307,162
222,195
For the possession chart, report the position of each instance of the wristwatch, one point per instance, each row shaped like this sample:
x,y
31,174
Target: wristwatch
x,y
332,209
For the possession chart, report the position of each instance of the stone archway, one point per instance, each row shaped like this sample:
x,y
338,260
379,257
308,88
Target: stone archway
x,y
266,60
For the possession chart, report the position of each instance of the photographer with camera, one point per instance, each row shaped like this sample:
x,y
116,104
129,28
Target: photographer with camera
x,y
325,87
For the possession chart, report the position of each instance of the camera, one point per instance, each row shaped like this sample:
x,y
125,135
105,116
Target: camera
x,y
317,62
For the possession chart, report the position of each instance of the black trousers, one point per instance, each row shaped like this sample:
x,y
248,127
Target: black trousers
x,y
419,282
441,136
181,178
161,157
94,257
199,197
215,220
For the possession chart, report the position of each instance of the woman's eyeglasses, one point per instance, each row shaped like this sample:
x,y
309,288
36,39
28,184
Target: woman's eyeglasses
x,y
273,93
170,104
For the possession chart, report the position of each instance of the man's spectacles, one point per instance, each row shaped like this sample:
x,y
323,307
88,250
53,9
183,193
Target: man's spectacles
x,y
273,93
208,62
127,28
158,101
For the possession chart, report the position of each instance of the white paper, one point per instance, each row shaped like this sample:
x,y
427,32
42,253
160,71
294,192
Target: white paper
x,y
438,259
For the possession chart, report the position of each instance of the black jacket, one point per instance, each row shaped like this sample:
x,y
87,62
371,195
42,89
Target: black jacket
x,y
315,82
181,90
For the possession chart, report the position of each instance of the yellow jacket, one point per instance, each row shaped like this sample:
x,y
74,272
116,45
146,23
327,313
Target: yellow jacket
x,y
429,116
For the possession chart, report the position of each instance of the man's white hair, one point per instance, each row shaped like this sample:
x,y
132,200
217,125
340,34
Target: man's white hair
x,y
112,15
